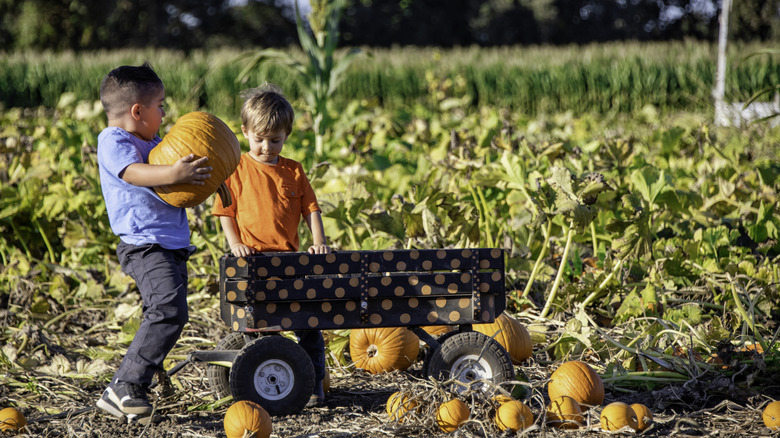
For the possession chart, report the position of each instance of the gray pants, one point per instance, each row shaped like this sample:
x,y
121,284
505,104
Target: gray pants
x,y
161,277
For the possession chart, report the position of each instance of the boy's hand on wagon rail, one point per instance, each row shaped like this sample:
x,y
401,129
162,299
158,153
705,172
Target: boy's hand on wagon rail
x,y
241,250
188,170
320,248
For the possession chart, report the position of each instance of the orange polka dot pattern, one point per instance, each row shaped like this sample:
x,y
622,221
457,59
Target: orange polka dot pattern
x,y
362,289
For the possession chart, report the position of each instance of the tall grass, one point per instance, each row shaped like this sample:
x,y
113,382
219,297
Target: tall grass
x,y
618,77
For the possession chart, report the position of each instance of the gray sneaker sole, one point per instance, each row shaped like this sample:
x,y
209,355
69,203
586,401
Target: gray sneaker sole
x,y
108,407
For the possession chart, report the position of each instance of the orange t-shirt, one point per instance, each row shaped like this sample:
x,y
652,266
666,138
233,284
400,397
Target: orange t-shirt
x,y
268,203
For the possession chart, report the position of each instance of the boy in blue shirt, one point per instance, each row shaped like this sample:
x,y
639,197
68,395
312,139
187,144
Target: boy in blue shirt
x,y
154,236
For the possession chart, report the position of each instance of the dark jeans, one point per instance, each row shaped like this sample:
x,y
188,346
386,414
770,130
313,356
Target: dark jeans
x,y
161,276
314,345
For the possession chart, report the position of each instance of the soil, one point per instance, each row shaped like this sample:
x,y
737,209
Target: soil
x,y
63,406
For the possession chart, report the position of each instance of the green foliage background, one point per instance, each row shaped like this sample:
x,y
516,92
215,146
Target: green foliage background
x,y
645,215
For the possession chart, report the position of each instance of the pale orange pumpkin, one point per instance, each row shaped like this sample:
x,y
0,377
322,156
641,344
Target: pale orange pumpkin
x,y
577,380
203,135
771,416
511,334
565,413
11,419
644,416
514,415
399,404
383,349
247,416
618,415
451,414
438,330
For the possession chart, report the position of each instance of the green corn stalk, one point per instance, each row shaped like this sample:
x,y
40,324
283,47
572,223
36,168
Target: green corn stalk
x,y
321,74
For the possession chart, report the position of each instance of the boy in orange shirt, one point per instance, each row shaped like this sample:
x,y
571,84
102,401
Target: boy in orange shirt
x,y
270,194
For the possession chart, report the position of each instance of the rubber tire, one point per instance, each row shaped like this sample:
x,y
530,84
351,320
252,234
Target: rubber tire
x,y
273,362
428,354
218,375
458,356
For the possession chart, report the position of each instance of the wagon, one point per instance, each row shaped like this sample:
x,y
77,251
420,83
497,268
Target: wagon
x,y
268,293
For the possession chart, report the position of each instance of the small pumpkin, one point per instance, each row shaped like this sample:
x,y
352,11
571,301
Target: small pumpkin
x,y
203,135
383,349
644,416
11,419
514,415
577,380
771,416
451,414
247,417
511,334
399,405
618,415
565,413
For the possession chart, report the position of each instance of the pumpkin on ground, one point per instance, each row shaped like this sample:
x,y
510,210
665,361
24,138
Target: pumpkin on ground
x,y
383,349
772,416
618,415
511,334
399,405
644,417
438,330
247,417
577,380
451,415
565,413
11,419
202,135
514,415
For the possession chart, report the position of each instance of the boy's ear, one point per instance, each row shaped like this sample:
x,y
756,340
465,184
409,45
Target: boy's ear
x,y
244,130
135,111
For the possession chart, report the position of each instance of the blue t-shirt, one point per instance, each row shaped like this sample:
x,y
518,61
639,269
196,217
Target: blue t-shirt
x,y
137,214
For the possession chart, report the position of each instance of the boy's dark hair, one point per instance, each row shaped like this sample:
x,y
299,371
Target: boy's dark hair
x,y
266,110
127,85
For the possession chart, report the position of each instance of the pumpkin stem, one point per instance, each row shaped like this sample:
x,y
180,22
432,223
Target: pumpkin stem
x,y
372,351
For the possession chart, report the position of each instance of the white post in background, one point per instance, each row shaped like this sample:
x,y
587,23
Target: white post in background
x,y
721,118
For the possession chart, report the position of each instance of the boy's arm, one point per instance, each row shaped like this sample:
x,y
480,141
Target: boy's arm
x,y
314,221
230,227
184,170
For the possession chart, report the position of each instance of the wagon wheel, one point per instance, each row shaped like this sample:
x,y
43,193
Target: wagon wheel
x,y
274,372
219,374
470,356
428,354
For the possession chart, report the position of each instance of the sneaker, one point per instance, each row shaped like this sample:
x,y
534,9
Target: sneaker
x,y
109,407
318,398
129,398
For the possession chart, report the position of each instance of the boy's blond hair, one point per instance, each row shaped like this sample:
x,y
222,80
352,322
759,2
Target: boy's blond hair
x,y
266,110
127,85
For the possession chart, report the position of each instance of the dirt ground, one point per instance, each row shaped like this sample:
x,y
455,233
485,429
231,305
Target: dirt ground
x,y
59,405
356,408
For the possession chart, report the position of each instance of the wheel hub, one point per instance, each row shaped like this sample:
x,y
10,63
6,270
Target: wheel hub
x,y
274,379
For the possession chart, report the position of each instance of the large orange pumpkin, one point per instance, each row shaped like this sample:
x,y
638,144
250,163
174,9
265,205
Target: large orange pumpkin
x,y
450,415
11,419
203,135
577,380
771,416
383,349
511,334
247,416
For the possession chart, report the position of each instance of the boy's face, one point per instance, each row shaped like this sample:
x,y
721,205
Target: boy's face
x,y
149,116
265,147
